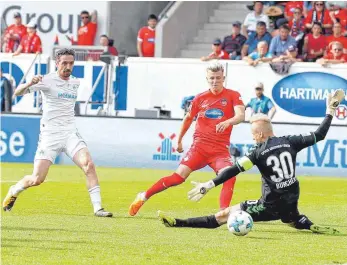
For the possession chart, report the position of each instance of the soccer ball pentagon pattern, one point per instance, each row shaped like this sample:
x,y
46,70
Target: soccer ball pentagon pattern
x,y
240,223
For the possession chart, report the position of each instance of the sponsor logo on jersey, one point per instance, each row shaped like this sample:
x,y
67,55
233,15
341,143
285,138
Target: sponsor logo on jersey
x,y
214,114
166,152
341,112
67,95
305,94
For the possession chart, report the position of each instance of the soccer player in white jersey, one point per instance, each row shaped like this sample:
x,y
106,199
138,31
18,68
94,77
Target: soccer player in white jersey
x,y
58,131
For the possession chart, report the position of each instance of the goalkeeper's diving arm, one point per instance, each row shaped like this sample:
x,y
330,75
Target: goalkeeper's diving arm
x,y
244,163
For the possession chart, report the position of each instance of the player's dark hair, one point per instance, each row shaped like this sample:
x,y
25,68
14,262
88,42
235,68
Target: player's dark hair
x,y
64,51
104,36
84,12
152,16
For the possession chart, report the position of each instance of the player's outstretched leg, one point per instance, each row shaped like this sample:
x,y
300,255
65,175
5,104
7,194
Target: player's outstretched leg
x,y
302,222
211,221
169,181
196,222
39,175
220,163
83,159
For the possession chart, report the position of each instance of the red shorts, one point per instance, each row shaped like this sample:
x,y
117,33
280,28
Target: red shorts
x,y
199,157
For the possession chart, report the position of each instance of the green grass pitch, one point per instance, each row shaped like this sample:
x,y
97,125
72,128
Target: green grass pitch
x,y
54,224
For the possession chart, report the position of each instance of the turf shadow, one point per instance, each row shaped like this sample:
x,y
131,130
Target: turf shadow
x,y
42,240
262,238
138,217
13,228
14,246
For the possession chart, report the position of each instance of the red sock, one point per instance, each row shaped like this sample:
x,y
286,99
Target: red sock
x,y
226,193
163,184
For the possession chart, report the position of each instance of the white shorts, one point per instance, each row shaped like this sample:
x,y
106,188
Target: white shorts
x,y
51,144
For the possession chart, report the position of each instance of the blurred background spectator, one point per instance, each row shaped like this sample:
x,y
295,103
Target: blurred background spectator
x,y
261,55
13,34
108,44
279,44
86,33
290,7
308,6
320,14
233,43
31,42
251,20
337,36
146,38
290,56
297,24
335,57
338,13
5,93
255,37
279,23
261,103
217,52
314,44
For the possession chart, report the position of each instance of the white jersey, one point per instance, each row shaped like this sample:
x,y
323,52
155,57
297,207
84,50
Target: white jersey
x,y
59,97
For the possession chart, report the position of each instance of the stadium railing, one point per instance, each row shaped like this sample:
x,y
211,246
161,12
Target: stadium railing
x,y
83,53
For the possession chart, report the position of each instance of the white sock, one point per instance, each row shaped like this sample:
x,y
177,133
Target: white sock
x,y
143,196
17,189
95,197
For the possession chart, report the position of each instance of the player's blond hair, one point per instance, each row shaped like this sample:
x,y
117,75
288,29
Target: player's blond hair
x,y
215,67
262,122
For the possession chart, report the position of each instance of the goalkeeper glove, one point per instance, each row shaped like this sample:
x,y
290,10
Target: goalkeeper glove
x,y
333,101
200,190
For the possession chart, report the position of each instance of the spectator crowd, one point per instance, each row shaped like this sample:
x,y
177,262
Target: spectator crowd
x,y
274,31
287,31
19,38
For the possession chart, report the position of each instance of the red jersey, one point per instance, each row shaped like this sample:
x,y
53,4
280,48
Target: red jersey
x,y
341,14
20,31
221,55
323,17
112,50
31,44
86,34
146,36
210,110
330,56
332,38
315,44
290,7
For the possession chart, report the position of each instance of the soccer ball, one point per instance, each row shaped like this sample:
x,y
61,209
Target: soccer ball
x,y
240,223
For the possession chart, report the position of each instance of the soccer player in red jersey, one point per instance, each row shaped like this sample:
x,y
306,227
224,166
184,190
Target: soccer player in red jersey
x,y
217,110
146,38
